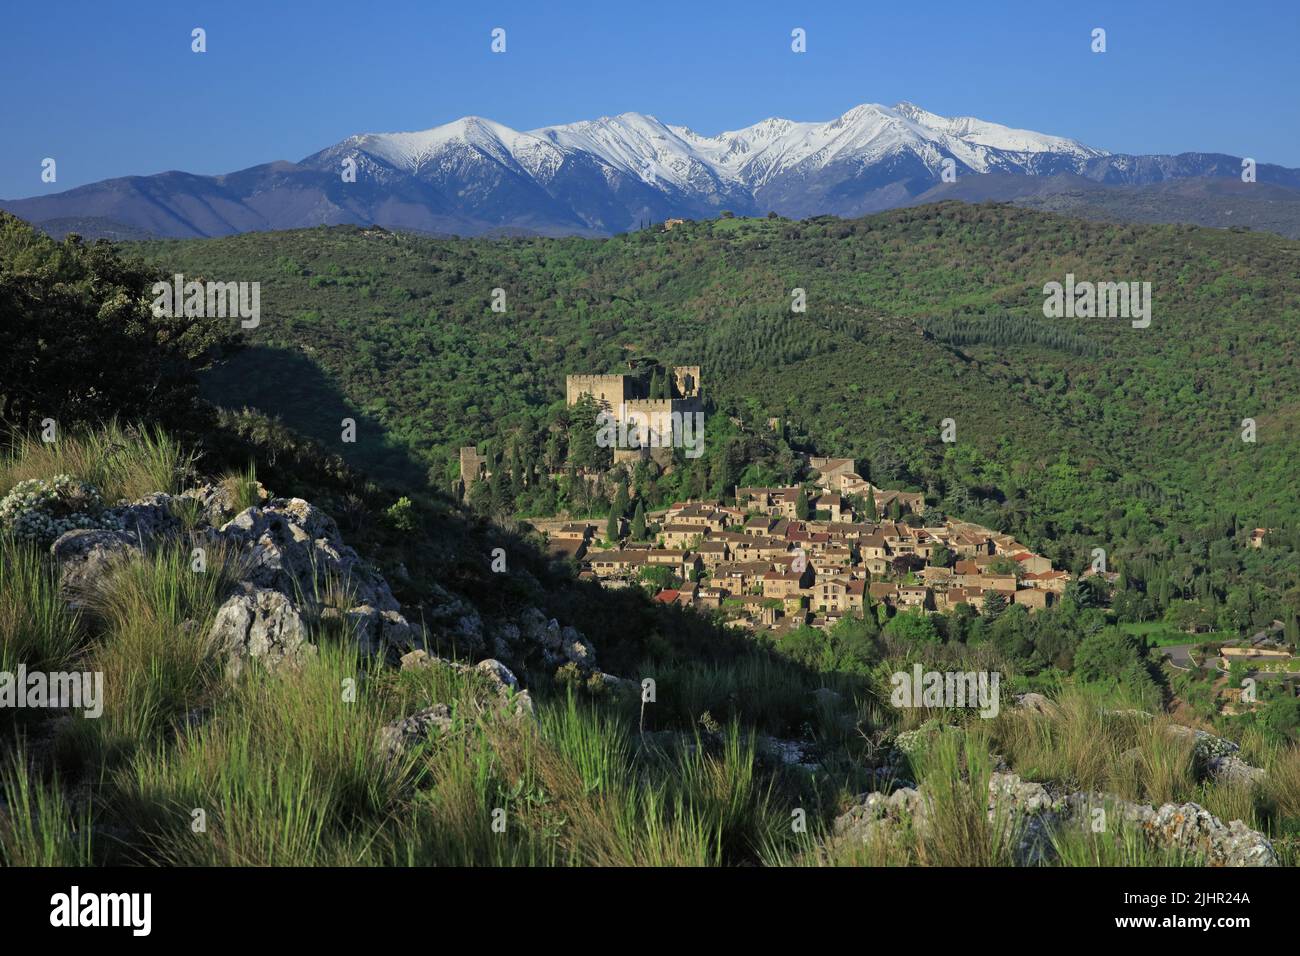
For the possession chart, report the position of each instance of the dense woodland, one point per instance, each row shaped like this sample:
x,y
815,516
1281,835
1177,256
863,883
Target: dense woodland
x,y
1074,434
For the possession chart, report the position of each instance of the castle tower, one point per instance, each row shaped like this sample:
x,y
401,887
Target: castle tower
x,y
687,380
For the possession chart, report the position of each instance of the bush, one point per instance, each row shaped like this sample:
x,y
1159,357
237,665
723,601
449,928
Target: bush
x,y
39,509
401,515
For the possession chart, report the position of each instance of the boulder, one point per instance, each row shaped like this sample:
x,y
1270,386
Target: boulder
x,y
1190,827
383,632
152,516
84,556
260,624
401,736
295,548
1205,745
1035,702
1231,769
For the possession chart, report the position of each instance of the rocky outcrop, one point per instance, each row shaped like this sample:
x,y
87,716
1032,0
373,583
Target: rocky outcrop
x,y
1032,814
260,624
84,556
296,549
294,571
401,736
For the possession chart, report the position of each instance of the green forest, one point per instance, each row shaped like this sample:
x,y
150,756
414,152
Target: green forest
x,y
1074,434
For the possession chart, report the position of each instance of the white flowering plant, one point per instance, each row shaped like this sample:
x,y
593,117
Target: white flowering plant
x,y
41,509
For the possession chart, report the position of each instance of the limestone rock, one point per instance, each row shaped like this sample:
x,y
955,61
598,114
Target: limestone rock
x,y
260,624
1234,770
402,735
1035,702
1205,745
84,556
150,517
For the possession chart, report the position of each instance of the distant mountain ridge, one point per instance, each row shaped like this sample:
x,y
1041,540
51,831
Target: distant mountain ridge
x,y
474,176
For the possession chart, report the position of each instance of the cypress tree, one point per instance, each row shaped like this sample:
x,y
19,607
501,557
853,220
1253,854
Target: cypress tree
x,y
638,521
801,510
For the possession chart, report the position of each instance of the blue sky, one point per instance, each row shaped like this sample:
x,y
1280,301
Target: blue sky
x,y
111,89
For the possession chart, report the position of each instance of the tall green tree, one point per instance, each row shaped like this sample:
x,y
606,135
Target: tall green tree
x,y
993,604
81,342
801,509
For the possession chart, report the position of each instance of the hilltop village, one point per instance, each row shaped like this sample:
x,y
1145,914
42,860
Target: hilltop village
x,y
781,558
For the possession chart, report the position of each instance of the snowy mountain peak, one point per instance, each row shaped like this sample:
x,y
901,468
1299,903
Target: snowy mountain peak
x,y
640,145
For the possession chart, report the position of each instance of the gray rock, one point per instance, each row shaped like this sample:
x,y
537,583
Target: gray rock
x,y
417,659
1190,827
260,624
383,632
84,556
499,675
1035,702
401,736
151,517
618,685
506,685
296,549
1204,745
1232,769
575,649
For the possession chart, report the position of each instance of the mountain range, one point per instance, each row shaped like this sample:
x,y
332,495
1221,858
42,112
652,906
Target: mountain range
x,y
474,176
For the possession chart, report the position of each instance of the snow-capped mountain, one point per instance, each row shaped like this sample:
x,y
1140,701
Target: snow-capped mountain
x,y
734,167
608,175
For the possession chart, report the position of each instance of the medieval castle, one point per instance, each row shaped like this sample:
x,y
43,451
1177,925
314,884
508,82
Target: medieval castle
x,y
651,423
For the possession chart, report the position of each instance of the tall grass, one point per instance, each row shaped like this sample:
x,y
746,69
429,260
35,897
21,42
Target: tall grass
x,y
36,627
284,772
121,461
38,826
1091,744
954,770
154,615
242,487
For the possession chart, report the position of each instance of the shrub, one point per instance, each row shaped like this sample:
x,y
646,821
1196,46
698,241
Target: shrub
x,y
401,515
39,509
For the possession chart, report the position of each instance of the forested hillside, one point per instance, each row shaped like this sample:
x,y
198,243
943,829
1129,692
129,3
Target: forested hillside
x,y
747,731
1075,433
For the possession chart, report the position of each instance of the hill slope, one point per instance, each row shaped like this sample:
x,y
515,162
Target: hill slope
x,y
1078,433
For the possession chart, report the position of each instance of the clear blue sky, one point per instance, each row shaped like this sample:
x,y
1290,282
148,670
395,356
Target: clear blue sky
x,y
111,88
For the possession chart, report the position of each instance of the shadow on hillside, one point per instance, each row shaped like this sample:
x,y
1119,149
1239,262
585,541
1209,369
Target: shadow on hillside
x,y
286,384
704,666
